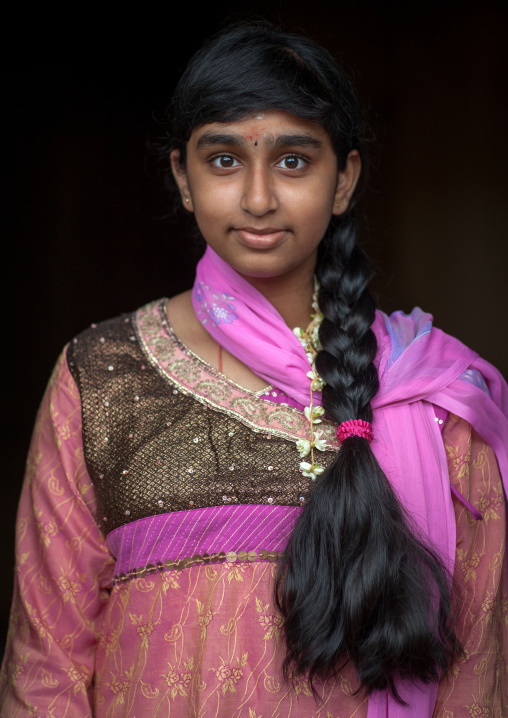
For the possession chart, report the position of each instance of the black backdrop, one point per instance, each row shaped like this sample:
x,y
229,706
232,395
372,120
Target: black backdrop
x,y
84,235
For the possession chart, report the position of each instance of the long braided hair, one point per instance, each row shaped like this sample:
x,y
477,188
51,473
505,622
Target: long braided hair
x,y
355,583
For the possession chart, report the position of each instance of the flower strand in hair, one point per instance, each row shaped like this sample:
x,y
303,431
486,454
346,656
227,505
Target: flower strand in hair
x,y
309,339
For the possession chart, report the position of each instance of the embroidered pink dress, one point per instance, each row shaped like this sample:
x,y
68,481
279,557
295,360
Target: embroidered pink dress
x,y
158,494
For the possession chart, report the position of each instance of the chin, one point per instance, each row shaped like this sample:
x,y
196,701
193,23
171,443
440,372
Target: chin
x,y
273,269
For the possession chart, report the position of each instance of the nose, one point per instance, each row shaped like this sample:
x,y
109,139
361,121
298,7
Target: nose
x,y
259,195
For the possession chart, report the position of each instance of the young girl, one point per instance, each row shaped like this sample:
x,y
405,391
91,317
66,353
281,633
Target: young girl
x,y
263,497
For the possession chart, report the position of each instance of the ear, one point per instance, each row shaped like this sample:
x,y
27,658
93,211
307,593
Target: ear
x,y
346,182
180,175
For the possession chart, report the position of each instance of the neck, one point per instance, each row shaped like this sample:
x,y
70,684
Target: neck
x,y
290,294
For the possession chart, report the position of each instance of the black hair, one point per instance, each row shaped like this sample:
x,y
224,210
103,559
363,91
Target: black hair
x,y
355,582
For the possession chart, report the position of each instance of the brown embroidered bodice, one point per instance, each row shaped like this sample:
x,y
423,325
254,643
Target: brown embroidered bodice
x,y
164,432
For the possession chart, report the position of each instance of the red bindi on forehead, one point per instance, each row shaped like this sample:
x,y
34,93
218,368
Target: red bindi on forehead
x,y
255,132
255,135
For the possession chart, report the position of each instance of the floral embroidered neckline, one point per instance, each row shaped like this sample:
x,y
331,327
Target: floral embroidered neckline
x,y
191,375
309,338
211,369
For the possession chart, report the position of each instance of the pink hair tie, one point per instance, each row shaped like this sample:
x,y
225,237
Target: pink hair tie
x,y
355,427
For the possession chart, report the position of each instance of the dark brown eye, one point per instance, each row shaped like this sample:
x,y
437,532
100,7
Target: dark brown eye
x,y
224,161
292,163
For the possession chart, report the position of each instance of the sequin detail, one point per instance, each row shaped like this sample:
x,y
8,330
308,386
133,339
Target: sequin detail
x,y
197,560
148,430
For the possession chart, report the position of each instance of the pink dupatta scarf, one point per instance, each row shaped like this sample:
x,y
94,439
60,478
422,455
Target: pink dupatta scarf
x,y
419,368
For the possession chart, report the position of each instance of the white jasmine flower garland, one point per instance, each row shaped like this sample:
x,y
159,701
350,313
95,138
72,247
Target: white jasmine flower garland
x,y
310,342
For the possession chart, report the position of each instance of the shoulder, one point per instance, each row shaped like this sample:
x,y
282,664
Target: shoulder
x,y
397,331
103,345
119,327
417,361
413,340
403,328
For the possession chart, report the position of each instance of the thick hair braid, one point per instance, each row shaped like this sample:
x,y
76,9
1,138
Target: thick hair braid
x,y
349,344
355,583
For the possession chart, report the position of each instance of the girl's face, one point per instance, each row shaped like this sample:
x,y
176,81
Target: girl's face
x,y
263,190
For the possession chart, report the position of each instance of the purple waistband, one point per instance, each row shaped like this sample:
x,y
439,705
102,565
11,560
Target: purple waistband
x,y
184,534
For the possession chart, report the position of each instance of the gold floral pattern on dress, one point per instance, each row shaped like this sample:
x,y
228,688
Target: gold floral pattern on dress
x,y
490,506
15,671
144,632
271,622
476,710
235,571
68,588
229,675
475,685
78,678
468,563
169,581
120,685
226,627
178,682
300,685
54,622
39,624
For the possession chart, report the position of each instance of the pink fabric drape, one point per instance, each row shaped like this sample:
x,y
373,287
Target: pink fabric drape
x,y
418,366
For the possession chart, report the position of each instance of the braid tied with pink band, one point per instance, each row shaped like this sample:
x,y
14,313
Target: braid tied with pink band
x,y
355,427
369,588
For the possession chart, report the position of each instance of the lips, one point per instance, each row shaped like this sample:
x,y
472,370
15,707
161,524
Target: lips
x,y
264,238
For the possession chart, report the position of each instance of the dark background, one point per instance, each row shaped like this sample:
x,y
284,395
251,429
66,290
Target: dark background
x,y
84,236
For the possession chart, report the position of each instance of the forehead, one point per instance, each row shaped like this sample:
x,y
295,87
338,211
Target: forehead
x,y
264,125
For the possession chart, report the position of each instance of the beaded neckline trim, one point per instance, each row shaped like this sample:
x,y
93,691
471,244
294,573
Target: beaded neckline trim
x,y
212,370
195,378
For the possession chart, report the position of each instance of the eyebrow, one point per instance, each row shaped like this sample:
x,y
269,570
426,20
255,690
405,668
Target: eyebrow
x,y
211,139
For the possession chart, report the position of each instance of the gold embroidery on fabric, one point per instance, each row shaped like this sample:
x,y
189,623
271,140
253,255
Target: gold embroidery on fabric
x,y
475,684
162,434
212,370
219,392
